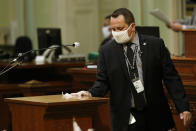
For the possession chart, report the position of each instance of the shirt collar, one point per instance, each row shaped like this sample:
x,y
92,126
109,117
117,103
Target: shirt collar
x,y
136,39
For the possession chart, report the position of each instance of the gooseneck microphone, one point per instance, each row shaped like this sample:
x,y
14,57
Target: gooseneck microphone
x,y
21,55
76,44
19,58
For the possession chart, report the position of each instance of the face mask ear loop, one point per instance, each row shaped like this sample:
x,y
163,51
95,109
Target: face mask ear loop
x,y
131,31
129,26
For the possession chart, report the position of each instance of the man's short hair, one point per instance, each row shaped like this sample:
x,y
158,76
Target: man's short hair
x,y
128,15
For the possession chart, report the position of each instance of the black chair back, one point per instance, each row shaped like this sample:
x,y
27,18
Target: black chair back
x,y
22,45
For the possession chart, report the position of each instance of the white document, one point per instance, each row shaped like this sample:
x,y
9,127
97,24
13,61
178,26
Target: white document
x,y
76,126
160,15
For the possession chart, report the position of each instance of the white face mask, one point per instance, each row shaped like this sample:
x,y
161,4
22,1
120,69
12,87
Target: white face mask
x,y
122,36
106,32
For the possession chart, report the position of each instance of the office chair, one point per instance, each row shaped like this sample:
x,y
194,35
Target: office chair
x,y
22,45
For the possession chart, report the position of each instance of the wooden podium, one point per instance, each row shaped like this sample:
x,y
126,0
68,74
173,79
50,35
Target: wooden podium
x,y
190,42
55,113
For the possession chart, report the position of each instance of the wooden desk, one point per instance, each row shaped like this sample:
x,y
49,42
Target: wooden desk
x,y
54,113
17,90
53,80
82,78
41,72
7,90
190,42
186,67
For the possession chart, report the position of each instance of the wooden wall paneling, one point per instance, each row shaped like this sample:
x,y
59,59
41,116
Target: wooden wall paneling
x,y
190,46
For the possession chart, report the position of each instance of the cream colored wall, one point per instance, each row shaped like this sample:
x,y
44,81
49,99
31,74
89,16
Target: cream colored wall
x,y
81,20
11,17
4,11
40,14
77,19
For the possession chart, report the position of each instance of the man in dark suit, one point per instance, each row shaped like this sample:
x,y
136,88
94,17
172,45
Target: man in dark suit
x,y
132,67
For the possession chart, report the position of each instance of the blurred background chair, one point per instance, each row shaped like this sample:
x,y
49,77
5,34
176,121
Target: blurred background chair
x,y
22,45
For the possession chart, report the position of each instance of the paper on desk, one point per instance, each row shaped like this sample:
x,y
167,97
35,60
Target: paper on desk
x,y
66,95
160,15
77,95
76,126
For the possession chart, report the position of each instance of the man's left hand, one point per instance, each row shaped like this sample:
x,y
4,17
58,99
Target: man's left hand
x,y
186,117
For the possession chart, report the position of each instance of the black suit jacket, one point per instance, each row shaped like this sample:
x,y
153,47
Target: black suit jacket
x,y
157,66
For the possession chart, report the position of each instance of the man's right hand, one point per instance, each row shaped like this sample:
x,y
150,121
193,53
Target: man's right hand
x,y
82,93
175,26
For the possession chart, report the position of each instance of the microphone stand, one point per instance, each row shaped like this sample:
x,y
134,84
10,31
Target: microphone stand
x,y
19,59
11,67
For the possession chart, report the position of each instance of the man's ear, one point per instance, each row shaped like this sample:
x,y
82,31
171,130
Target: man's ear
x,y
133,26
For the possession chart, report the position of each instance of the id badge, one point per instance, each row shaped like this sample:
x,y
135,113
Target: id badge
x,y
138,85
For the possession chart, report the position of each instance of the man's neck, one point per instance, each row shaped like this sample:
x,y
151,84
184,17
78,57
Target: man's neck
x,y
133,36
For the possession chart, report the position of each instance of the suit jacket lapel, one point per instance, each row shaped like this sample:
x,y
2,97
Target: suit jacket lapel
x,y
121,59
144,55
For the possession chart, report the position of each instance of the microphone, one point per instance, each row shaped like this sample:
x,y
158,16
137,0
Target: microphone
x,y
16,59
21,55
75,44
